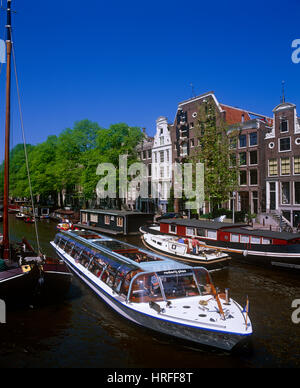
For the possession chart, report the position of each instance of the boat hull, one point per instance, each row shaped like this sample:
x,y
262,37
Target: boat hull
x,y
212,338
212,265
17,287
275,256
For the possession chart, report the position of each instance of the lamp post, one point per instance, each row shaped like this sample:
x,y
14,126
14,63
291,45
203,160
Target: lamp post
x,y
233,206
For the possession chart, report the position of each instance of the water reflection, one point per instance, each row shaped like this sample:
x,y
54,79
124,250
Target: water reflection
x,y
84,332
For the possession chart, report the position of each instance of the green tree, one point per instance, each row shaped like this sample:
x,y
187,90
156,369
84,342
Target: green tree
x,y
221,178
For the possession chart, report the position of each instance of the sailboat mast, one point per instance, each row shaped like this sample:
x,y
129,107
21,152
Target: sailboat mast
x,y
6,246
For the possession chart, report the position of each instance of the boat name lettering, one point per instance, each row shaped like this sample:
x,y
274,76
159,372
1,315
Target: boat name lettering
x,y
174,272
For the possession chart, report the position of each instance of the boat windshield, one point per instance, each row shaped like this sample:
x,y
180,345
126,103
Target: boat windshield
x,y
170,285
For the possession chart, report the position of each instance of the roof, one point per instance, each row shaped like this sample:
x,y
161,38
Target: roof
x,y
265,233
235,115
201,223
163,264
113,212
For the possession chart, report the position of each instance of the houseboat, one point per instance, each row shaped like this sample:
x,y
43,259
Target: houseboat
x,y
115,222
153,291
187,250
257,246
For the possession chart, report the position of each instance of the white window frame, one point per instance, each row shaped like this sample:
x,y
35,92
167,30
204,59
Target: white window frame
x,y
281,138
286,157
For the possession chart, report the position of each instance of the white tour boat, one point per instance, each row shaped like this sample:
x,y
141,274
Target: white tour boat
x,y
187,250
153,291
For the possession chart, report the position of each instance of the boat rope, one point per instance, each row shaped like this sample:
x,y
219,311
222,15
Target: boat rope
x,y
25,148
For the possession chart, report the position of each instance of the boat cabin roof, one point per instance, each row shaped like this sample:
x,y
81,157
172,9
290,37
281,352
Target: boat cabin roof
x,y
121,253
265,233
118,213
233,228
201,223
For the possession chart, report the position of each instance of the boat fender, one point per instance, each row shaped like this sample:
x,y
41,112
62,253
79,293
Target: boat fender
x,y
155,306
245,253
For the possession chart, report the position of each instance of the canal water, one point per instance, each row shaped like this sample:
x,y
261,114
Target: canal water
x,y
82,331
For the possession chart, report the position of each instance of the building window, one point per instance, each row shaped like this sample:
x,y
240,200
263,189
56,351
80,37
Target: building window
x,y
149,154
242,141
232,160
144,155
285,166
184,149
120,222
162,156
162,172
273,167
243,159
285,144
297,193
255,201
162,140
253,157
285,193
253,139
191,125
253,177
168,155
284,127
149,169
233,142
297,165
243,178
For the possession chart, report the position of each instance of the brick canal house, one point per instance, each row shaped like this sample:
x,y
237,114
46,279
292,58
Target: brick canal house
x,y
267,153
184,137
282,164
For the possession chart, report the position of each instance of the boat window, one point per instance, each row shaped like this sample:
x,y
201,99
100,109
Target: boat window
x,y
62,243
139,257
212,234
266,241
84,259
235,238
204,281
69,247
190,231
200,232
146,288
173,229
245,239
179,285
96,268
255,240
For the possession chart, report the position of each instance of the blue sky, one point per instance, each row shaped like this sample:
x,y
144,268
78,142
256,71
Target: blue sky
x,y
134,61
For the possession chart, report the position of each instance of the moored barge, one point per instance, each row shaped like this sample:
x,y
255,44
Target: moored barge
x,y
153,291
256,246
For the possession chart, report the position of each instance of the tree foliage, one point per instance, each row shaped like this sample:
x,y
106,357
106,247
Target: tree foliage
x,y
221,178
69,161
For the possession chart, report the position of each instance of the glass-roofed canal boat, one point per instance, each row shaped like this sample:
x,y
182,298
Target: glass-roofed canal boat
x,y
155,292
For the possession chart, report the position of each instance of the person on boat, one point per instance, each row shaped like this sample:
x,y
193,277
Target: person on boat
x,y
181,240
154,284
194,245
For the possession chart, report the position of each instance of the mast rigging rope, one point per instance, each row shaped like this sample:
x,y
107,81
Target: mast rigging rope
x,y
25,148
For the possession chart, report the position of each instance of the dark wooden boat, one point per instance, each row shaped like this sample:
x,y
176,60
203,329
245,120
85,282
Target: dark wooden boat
x,y
256,246
25,276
